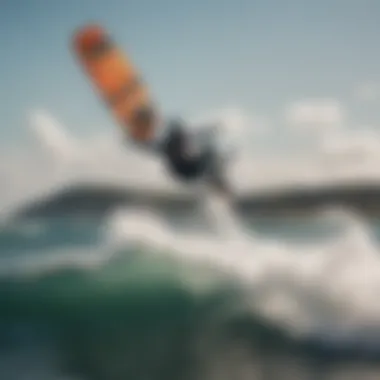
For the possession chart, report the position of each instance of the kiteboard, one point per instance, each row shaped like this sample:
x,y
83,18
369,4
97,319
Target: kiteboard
x,y
117,81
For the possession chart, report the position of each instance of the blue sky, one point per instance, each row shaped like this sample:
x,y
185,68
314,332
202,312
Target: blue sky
x,y
196,55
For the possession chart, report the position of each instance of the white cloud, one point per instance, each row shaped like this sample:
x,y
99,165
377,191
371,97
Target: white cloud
x,y
367,92
364,141
315,113
105,160
236,129
233,121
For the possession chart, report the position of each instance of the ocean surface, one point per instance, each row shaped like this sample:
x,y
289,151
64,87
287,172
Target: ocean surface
x,y
208,296
139,296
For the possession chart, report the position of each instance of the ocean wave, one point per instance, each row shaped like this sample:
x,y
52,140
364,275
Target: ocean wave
x,y
151,302
325,289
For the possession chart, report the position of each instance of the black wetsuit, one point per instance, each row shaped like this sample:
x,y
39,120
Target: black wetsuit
x,y
186,164
190,166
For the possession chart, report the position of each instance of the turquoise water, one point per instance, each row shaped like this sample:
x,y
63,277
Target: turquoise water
x,y
77,304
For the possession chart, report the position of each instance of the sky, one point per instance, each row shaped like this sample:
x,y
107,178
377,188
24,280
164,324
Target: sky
x,y
294,62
